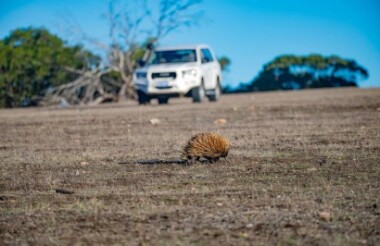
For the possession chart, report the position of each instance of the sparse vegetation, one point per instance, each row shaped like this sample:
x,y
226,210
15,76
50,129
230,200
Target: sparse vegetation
x,y
303,170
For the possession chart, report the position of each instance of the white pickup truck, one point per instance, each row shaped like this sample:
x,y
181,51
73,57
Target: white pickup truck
x,y
191,71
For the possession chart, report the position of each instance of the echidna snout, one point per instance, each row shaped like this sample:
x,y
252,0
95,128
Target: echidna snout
x,y
225,154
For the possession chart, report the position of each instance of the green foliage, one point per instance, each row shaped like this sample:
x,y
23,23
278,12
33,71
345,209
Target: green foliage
x,y
32,60
224,62
313,71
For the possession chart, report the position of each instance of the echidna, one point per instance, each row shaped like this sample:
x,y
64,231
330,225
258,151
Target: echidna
x,y
210,146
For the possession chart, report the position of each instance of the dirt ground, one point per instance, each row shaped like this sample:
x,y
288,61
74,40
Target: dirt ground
x,y
304,169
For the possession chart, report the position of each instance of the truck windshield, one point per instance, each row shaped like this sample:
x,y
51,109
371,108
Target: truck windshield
x,y
172,56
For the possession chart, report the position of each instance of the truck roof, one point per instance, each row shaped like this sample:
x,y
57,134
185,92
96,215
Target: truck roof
x,y
182,47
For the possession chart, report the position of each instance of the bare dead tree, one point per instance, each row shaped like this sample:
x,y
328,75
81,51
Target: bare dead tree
x,y
88,88
131,23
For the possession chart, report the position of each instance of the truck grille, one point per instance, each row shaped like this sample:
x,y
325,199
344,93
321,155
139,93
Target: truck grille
x,y
172,75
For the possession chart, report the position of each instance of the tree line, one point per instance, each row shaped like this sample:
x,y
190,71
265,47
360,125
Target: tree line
x,y
290,72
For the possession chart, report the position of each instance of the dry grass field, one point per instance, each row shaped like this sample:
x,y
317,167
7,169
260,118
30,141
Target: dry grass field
x,y
304,169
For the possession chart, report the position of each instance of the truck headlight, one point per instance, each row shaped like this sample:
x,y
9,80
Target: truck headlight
x,y
141,75
189,74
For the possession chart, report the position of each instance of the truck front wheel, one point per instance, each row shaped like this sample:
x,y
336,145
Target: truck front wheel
x,y
198,93
163,100
143,98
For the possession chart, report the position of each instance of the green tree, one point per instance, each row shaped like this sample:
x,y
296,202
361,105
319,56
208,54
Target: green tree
x,y
314,71
224,62
33,60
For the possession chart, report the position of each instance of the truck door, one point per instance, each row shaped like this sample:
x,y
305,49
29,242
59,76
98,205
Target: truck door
x,y
207,68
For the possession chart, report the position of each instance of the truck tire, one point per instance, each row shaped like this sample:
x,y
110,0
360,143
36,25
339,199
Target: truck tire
x,y
198,93
216,94
163,100
143,98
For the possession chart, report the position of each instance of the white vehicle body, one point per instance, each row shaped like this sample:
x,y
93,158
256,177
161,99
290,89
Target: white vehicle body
x,y
179,71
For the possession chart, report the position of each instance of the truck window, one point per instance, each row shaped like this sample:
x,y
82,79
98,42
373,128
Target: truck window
x,y
206,56
172,56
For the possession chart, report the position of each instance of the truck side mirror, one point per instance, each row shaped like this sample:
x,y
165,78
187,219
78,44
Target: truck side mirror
x,y
150,46
141,63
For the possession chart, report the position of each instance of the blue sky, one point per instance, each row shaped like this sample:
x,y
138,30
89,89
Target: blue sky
x,y
250,32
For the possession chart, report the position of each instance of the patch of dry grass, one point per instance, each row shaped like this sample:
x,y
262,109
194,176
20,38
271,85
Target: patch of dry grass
x,y
294,155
